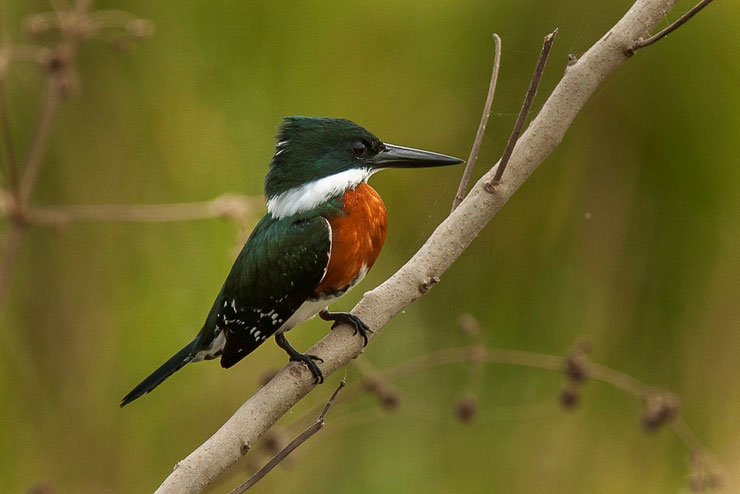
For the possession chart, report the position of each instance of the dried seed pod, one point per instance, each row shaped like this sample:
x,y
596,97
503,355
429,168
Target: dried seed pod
x,y
570,396
705,476
576,367
371,383
389,397
466,408
660,407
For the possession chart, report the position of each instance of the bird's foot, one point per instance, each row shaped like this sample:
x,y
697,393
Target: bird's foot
x,y
308,359
296,356
347,318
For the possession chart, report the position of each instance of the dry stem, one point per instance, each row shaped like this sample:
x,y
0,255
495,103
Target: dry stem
x,y
642,43
232,206
524,111
463,187
58,63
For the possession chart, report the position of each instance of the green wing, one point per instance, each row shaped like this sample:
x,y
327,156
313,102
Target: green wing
x,y
277,270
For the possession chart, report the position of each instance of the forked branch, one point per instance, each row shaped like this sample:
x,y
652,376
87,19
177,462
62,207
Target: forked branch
x,y
283,453
442,248
642,43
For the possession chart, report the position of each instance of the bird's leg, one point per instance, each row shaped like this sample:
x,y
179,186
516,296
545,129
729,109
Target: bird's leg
x,y
348,318
296,356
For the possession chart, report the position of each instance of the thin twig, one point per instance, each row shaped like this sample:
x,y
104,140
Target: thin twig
x,y
477,354
39,142
26,182
463,187
13,241
231,206
642,43
55,92
21,182
300,439
5,134
528,99
6,138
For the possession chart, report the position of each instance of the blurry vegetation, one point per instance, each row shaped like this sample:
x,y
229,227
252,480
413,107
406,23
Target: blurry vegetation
x,y
629,234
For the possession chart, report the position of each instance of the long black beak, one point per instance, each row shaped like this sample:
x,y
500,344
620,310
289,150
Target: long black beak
x,y
402,157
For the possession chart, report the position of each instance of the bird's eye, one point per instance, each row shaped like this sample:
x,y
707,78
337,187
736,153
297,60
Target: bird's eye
x,y
359,148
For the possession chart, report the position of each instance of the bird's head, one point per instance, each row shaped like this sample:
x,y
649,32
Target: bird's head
x,y
319,158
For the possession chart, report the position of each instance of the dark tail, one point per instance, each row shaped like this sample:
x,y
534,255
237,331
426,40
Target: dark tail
x,y
175,363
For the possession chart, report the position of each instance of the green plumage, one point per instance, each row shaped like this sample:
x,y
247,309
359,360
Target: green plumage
x,y
310,148
277,271
286,256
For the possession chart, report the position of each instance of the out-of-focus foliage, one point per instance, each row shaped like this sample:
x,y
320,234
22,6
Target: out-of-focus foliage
x,y
629,233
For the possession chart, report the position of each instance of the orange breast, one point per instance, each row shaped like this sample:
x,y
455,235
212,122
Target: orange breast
x,y
356,239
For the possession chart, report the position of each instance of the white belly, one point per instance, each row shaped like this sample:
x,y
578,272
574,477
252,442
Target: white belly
x,y
306,311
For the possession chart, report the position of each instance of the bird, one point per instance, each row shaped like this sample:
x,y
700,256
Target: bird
x,y
323,230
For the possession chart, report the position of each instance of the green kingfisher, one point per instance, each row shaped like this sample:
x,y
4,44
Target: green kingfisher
x,y
323,230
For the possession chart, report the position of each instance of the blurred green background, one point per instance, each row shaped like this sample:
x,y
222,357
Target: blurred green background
x,y
629,234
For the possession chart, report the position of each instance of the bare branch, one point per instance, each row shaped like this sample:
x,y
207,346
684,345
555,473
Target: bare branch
x,y
300,439
524,112
477,354
659,407
5,135
235,207
60,79
642,43
443,247
13,241
23,189
39,142
463,187
6,138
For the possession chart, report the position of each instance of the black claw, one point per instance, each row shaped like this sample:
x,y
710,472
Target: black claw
x,y
347,318
296,356
318,376
308,359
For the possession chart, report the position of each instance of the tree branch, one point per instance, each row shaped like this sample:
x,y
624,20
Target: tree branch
x,y
5,135
74,25
39,142
10,250
463,187
283,453
23,186
660,407
524,111
642,43
232,206
443,247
